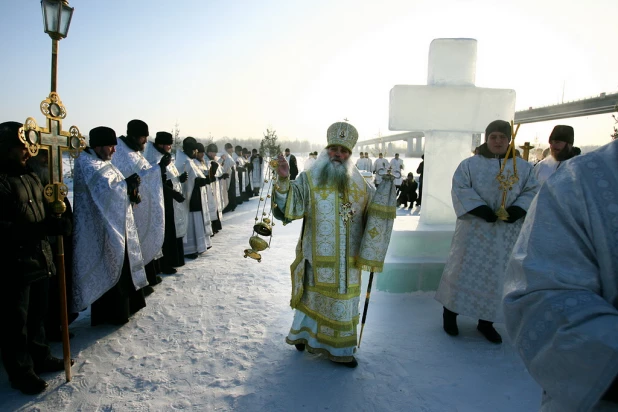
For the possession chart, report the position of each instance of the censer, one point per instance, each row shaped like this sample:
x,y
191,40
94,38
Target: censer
x,y
263,217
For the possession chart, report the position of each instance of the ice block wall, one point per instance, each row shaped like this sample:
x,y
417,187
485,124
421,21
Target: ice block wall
x,y
449,109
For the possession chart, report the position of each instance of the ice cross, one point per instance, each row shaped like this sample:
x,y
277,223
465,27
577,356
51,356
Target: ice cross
x,y
448,110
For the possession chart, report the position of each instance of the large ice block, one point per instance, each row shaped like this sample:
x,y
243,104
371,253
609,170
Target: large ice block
x,y
452,62
448,110
454,108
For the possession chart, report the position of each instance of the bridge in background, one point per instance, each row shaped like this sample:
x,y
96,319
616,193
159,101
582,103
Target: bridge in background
x,y
601,104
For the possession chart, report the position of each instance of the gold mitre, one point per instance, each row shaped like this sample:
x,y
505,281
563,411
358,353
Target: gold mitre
x,y
342,134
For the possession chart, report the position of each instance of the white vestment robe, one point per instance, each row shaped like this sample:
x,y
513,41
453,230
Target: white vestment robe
x,y
103,225
380,164
210,188
561,289
149,213
546,168
225,166
397,165
199,229
153,156
257,174
473,276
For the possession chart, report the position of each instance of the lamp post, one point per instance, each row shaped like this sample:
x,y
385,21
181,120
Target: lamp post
x,y
57,19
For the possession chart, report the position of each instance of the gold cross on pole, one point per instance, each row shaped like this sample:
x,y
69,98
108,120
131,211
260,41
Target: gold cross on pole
x,y
53,138
526,148
56,141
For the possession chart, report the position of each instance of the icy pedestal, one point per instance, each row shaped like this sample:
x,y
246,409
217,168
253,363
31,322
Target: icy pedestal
x,y
454,146
416,256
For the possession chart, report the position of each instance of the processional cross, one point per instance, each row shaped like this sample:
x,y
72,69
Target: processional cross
x,y
526,148
56,141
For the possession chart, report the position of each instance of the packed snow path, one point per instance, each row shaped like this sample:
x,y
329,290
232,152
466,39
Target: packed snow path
x,y
212,338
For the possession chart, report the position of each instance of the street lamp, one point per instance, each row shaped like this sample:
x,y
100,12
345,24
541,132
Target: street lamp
x,y
57,19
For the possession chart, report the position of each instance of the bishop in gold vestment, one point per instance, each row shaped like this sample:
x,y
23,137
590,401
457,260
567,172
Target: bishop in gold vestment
x,y
333,200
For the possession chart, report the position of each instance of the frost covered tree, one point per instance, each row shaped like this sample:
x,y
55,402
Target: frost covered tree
x,y
269,146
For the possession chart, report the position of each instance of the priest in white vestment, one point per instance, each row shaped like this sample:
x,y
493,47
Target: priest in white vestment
x,y
561,149
199,230
175,219
310,160
561,288
257,171
220,183
333,200
473,276
209,169
397,165
150,212
380,166
228,165
108,269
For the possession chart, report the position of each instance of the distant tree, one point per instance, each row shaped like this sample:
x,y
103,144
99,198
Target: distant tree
x,y
269,146
177,139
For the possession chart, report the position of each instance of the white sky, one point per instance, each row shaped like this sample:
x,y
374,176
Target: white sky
x,y
235,68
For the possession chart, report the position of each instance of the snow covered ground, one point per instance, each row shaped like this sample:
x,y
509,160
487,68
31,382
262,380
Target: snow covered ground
x,y
212,339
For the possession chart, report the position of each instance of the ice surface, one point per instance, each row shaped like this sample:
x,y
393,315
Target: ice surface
x,y
449,110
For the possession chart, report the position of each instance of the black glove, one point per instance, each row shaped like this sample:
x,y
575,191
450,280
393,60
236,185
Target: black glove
x,y
58,226
177,196
484,212
214,166
225,175
515,213
202,181
183,177
165,161
133,183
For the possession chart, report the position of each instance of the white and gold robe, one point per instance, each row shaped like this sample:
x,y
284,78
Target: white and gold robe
x,y
325,274
473,276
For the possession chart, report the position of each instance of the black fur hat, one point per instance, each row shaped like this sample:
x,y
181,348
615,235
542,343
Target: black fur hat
x,y
498,126
137,128
102,136
164,138
563,133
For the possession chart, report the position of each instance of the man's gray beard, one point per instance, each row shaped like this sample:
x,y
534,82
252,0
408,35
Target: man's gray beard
x,y
328,172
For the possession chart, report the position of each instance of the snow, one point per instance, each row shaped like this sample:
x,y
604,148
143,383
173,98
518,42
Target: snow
x,y
212,338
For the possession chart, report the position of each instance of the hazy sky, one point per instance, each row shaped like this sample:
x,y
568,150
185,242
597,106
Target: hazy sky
x,y
234,68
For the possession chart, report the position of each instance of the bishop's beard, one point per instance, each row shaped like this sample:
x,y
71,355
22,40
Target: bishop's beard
x,y
328,172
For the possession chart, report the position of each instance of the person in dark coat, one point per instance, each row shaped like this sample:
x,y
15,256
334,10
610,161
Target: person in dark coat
x,y
27,261
53,325
291,159
420,170
408,191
